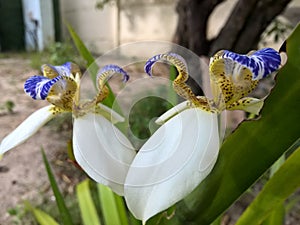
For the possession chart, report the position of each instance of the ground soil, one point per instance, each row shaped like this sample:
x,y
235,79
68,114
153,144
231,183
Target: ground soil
x,y
22,172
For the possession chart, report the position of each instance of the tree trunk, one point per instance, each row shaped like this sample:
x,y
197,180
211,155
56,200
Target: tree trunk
x,y
192,24
241,33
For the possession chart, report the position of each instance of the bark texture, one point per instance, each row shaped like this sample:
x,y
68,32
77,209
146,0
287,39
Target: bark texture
x,y
241,32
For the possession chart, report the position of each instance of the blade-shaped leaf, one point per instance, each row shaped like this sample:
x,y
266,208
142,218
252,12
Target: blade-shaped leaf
x,y
254,146
283,183
109,206
276,217
121,209
64,212
43,218
87,207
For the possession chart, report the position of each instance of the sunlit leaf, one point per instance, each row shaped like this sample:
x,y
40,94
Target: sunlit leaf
x,y
270,200
276,217
253,147
109,207
87,207
43,218
121,209
64,212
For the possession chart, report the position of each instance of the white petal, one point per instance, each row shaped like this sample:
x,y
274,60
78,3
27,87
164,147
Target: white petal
x,y
102,151
173,162
110,114
27,128
172,112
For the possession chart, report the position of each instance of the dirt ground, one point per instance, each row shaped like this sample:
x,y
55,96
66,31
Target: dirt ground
x,y
22,172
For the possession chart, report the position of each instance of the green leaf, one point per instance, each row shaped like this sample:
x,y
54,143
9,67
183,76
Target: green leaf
x,y
276,216
172,95
87,207
121,209
253,147
91,65
43,218
64,212
82,49
109,206
270,200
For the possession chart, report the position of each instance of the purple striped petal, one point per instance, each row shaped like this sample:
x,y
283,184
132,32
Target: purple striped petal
x,y
51,71
38,87
150,62
107,71
261,63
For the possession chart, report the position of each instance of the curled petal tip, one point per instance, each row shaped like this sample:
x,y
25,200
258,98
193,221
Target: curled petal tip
x,y
261,63
38,87
108,70
150,62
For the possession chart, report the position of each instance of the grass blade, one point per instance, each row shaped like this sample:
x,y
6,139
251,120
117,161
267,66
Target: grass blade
x,y
109,206
276,217
64,212
43,218
121,209
87,207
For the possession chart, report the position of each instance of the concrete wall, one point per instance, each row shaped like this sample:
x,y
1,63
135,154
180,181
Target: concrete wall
x,y
97,28
103,29
137,20
42,13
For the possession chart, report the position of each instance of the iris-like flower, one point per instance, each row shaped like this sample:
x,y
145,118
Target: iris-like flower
x,y
184,150
178,156
99,147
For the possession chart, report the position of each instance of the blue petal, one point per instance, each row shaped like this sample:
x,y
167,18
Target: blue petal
x,y
262,62
38,87
150,63
63,70
107,71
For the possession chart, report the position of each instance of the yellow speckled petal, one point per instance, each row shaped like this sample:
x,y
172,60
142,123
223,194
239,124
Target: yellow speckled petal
x,y
179,84
49,71
230,81
62,93
104,75
248,104
68,69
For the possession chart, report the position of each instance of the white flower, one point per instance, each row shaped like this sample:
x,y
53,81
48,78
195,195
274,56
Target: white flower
x,y
178,156
99,147
184,150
